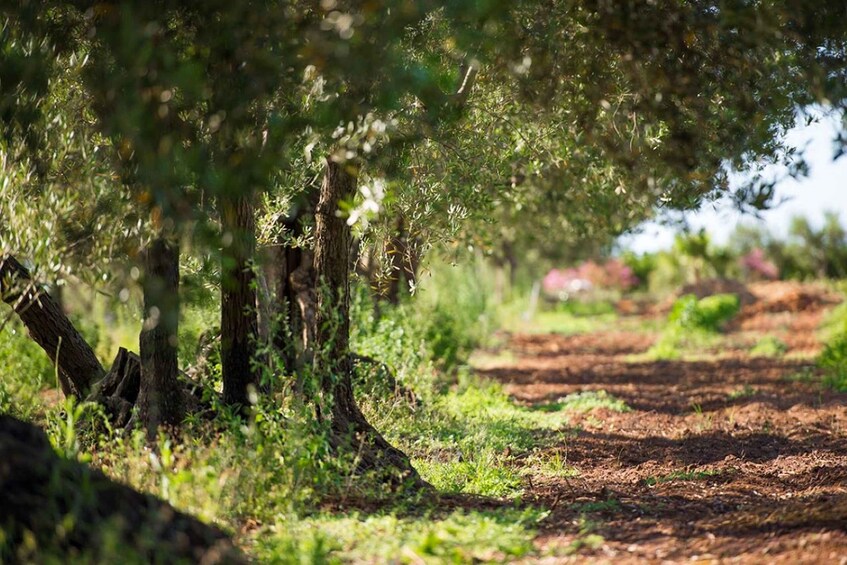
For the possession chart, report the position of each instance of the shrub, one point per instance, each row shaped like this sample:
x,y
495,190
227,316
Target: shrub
x,y
709,313
756,264
613,274
833,360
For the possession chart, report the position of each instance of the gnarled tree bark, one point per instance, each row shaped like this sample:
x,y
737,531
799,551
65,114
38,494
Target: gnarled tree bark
x,y
333,361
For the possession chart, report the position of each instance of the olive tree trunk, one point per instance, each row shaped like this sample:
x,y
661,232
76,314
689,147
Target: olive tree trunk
x,y
239,317
295,287
160,400
49,327
333,363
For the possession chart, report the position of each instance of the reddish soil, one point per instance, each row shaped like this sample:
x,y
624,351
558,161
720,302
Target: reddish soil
x,y
765,454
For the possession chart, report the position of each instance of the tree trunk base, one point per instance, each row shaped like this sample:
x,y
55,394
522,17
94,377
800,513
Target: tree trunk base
x,y
118,391
350,432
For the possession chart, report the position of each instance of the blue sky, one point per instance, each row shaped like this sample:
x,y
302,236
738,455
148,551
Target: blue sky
x,y
824,189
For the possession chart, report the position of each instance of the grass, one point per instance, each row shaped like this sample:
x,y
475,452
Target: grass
x,y
269,477
769,346
692,326
459,537
551,464
586,401
746,392
567,324
609,505
464,442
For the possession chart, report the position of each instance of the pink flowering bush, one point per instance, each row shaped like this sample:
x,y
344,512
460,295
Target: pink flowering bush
x,y
756,264
613,274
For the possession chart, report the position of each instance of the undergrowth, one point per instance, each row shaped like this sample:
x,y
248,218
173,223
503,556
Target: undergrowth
x,y
272,479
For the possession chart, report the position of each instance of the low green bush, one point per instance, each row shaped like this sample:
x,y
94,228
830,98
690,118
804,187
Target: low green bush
x,y
709,313
833,360
693,323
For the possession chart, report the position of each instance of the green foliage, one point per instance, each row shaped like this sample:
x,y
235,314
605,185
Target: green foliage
x,y
25,370
745,392
449,317
608,505
769,346
567,323
642,266
586,308
485,475
553,464
693,323
708,314
833,360
463,440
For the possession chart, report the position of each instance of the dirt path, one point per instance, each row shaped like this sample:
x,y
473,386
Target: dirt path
x,y
727,459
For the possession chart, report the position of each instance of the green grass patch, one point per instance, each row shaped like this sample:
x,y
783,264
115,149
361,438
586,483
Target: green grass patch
x,y
460,537
769,346
585,401
708,314
745,392
692,325
833,358
567,323
464,440
553,464
486,475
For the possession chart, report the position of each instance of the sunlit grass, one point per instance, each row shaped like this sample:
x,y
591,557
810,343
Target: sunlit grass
x,y
460,537
769,346
585,401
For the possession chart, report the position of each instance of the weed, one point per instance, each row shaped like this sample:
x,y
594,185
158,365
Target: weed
x,y
567,323
769,346
486,474
833,360
586,401
745,392
586,539
551,464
